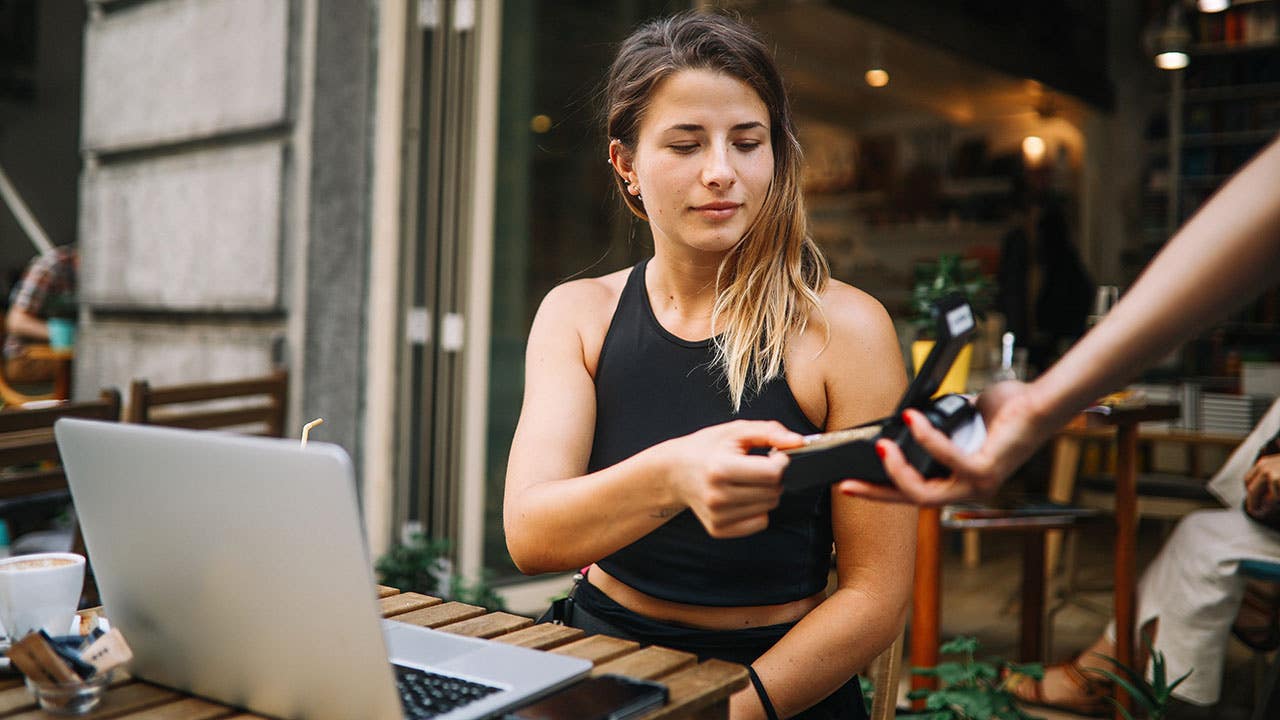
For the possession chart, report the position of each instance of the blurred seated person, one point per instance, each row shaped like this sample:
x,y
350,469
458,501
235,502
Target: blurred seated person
x,y
1045,291
1191,592
49,277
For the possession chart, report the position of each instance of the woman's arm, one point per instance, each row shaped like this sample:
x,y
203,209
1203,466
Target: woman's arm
x,y
1224,255
23,324
557,517
875,544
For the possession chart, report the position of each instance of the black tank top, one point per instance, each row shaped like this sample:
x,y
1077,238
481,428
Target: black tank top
x,y
652,386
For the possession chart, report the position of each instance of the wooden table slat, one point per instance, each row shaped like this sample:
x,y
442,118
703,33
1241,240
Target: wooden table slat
x,y
120,701
649,663
184,708
543,636
487,626
598,648
15,698
700,686
384,591
443,614
406,602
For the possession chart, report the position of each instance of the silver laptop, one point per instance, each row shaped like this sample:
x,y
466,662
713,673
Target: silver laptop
x,y
236,568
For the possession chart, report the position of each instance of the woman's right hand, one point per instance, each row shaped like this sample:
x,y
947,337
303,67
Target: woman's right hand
x,y
729,490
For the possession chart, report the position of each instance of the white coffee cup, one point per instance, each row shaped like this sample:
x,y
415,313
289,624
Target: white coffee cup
x,y
41,590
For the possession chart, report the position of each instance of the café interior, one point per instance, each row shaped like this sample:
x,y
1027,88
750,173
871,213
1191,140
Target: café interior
x,y
1032,156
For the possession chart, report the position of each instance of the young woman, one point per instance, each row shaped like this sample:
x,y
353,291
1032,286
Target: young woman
x,y
648,389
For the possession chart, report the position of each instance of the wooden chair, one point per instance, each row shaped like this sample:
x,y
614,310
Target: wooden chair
x,y
11,396
30,466
254,405
1161,495
884,672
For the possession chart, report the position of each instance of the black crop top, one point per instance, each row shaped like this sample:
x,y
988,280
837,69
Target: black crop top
x,y
652,386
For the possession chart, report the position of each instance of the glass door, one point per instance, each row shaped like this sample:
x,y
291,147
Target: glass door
x,y
439,104
557,216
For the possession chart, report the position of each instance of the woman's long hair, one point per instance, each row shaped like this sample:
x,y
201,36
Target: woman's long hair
x,y
771,279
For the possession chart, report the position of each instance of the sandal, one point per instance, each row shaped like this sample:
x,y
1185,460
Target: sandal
x,y
1089,699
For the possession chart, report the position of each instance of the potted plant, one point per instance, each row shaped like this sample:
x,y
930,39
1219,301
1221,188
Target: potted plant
x,y
971,689
424,565
948,275
1152,696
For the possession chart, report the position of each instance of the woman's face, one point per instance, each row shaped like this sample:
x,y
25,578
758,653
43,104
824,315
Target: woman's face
x,y
703,160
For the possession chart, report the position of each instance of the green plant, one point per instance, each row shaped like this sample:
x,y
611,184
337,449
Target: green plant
x,y
971,689
868,691
948,275
425,565
1152,696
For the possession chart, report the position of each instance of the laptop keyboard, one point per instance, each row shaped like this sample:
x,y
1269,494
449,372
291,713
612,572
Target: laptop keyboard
x,y
426,695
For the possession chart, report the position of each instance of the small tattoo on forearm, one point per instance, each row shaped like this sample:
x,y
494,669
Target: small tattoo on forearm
x,y
663,513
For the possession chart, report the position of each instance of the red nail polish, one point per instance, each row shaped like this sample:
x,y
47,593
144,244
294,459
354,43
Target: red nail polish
x,y
906,418
880,450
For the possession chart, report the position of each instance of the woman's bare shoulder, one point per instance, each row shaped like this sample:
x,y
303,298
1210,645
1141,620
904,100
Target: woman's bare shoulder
x,y
583,307
854,315
585,298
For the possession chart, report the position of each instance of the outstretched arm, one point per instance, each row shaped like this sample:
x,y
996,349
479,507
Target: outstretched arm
x,y
1223,256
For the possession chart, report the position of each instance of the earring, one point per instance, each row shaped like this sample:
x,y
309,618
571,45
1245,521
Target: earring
x,y
634,189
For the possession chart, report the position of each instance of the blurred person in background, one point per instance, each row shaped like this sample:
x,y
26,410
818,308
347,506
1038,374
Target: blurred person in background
x,y
49,279
1044,290
1191,592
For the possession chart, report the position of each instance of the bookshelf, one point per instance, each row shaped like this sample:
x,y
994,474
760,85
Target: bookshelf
x,y
1205,122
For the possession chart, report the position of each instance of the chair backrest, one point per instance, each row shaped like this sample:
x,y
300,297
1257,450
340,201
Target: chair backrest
x,y
30,466
26,443
253,405
884,672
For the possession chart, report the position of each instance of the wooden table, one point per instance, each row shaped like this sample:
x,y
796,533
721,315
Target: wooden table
x,y
1125,421
926,601
698,690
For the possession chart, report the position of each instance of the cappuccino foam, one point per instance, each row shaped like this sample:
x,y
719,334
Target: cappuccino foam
x,y
36,564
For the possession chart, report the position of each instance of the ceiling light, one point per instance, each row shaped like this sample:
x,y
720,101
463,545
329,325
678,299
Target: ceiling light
x,y
1212,6
1172,60
1033,149
1172,40
876,76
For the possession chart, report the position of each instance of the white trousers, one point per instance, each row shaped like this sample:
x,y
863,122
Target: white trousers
x,y
1193,588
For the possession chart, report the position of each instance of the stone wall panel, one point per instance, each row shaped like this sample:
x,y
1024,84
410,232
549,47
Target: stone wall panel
x,y
195,231
168,71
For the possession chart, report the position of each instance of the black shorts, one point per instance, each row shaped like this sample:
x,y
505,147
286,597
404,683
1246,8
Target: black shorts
x,y
589,609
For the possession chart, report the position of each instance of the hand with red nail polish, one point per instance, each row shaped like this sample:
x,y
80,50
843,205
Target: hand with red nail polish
x,y
1013,434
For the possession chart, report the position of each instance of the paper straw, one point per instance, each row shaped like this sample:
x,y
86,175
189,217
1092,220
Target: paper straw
x,y
306,429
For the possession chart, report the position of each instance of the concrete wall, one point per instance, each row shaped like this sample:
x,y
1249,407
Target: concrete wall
x,y
223,213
